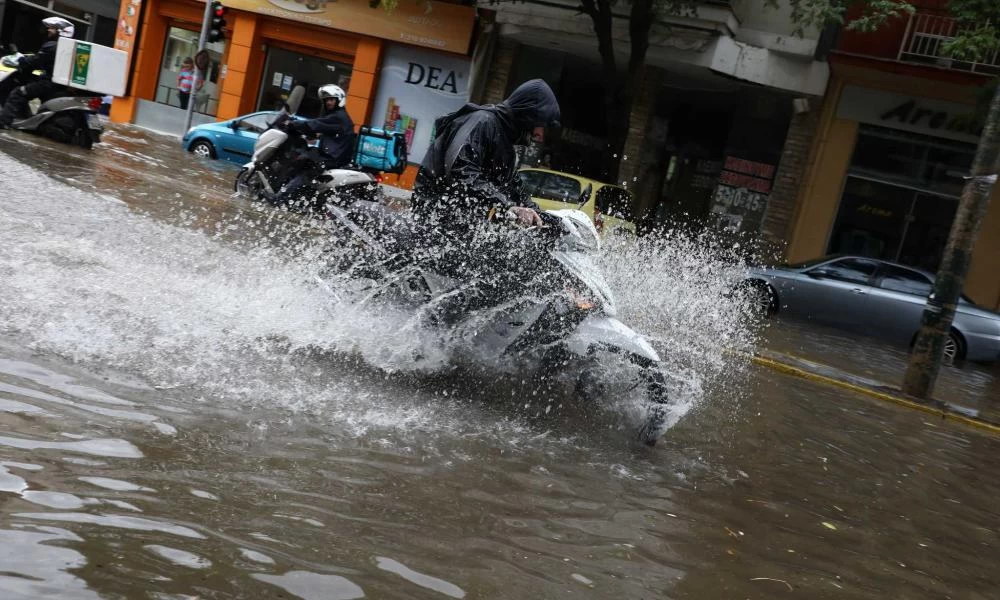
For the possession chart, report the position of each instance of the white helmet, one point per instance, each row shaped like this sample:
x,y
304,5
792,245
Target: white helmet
x,y
332,91
64,27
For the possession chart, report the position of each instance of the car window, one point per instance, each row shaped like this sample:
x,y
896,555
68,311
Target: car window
x,y
855,270
560,188
805,264
614,201
898,279
258,122
530,180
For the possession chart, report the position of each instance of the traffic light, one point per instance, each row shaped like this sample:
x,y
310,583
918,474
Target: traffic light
x,y
216,28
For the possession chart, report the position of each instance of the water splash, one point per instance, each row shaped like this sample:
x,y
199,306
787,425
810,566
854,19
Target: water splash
x,y
229,308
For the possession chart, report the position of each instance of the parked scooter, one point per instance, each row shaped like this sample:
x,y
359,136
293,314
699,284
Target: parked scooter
x,y
278,156
66,118
564,327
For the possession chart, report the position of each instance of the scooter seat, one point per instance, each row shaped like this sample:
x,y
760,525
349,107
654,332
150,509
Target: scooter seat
x,y
65,103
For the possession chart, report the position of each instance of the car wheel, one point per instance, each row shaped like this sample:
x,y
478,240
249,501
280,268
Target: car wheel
x,y
954,348
760,297
202,149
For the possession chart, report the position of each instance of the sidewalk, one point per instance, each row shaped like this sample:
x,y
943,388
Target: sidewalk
x,y
877,390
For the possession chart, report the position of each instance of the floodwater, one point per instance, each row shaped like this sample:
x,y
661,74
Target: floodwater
x,y
183,415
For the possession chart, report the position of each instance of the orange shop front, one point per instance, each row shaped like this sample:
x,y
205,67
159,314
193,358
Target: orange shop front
x,y
271,45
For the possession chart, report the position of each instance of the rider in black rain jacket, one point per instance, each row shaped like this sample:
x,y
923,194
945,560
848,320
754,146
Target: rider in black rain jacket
x,y
469,173
471,167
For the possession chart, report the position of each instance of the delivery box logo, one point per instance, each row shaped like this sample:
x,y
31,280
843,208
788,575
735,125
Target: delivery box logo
x,y
81,63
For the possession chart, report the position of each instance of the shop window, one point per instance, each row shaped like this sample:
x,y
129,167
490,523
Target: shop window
x,y
286,69
900,196
182,44
923,162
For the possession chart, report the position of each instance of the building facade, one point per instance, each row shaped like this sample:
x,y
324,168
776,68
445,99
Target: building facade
x,y
20,21
725,94
400,68
897,134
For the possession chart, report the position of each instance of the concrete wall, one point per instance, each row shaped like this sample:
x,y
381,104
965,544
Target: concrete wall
x,y
757,15
792,168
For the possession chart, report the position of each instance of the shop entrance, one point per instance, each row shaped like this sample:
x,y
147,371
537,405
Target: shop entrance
x,y
900,196
893,223
182,44
286,69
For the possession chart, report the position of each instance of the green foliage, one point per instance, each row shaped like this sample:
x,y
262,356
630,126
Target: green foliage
x,y
977,35
820,13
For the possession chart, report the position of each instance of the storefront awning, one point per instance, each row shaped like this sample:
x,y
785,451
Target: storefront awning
x,y
437,25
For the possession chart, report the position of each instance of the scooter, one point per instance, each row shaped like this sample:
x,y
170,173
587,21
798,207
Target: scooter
x,y
66,118
278,157
565,329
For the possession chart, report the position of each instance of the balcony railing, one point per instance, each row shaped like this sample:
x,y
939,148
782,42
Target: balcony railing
x,y
924,41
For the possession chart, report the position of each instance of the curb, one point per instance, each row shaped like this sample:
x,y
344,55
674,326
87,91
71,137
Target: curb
x,y
946,413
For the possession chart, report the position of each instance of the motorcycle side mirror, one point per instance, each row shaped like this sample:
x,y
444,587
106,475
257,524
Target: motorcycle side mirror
x,y
584,196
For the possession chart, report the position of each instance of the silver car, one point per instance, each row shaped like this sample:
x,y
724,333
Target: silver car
x,y
872,297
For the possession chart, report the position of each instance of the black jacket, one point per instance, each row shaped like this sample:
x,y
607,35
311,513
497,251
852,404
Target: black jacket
x,y
471,166
44,60
336,131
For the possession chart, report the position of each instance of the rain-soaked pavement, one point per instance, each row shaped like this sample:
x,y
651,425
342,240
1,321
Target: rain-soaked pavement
x,y
180,418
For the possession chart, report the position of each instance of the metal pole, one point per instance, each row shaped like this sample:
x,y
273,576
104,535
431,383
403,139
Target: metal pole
x,y
205,23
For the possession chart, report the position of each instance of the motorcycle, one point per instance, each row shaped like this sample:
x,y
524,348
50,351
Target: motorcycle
x,y
564,328
65,118
279,156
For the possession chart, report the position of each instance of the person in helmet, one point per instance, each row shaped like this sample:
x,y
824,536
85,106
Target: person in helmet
x,y
22,86
335,130
469,175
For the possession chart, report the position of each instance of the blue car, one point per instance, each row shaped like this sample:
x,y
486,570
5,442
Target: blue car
x,y
231,140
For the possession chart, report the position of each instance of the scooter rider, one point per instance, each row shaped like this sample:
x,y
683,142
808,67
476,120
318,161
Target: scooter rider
x,y
336,139
469,175
22,86
471,169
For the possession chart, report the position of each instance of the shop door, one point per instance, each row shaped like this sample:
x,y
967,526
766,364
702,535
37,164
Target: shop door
x,y
872,219
893,223
286,69
927,231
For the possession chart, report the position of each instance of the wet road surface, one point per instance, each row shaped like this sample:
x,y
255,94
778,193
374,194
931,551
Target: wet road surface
x,y
175,423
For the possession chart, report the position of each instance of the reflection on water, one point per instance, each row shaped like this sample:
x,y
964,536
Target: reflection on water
x,y
166,432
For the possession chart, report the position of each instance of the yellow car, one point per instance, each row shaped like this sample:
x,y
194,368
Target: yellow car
x,y
609,205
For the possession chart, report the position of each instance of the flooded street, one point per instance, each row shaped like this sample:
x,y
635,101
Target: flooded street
x,y
183,415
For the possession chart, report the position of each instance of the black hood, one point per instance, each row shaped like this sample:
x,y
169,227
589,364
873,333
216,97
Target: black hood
x,y
532,105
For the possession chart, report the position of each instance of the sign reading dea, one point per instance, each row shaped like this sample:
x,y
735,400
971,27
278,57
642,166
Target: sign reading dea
x,y
910,113
416,87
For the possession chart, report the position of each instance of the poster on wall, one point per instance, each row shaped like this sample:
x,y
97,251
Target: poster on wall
x,y
740,197
417,87
126,32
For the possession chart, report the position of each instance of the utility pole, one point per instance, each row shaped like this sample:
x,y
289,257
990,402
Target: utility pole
x,y
935,325
205,22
